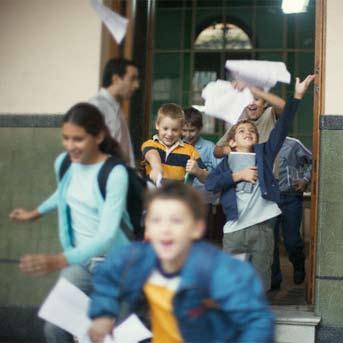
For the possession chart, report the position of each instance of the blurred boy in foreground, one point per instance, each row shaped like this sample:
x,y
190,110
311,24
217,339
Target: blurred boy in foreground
x,y
195,292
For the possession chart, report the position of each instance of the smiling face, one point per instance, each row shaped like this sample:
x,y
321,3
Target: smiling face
x,y
81,146
255,109
169,130
190,134
171,229
244,138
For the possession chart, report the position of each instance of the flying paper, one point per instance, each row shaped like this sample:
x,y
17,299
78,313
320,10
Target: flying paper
x,y
223,101
262,74
115,23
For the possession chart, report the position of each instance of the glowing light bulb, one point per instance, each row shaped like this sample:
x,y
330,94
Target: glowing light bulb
x,y
294,6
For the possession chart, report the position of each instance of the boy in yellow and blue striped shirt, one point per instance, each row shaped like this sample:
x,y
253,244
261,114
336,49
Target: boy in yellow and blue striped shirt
x,y
166,156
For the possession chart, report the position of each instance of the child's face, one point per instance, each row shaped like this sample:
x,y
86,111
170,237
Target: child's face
x,y
169,130
81,146
171,229
245,138
255,109
190,133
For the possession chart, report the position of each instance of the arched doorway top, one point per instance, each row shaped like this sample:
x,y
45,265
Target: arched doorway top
x,y
223,36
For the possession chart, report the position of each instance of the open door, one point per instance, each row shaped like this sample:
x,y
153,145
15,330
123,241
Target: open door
x,y
318,108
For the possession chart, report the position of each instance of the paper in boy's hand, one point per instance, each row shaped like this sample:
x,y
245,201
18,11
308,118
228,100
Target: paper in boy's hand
x,y
159,180
239,161
262,74
131,330
225,102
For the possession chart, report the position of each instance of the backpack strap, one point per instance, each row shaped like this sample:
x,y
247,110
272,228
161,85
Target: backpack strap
x,y
105,171
103,175
64,166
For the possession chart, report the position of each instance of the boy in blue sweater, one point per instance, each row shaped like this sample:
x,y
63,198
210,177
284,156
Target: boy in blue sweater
x,y
195,292
249,228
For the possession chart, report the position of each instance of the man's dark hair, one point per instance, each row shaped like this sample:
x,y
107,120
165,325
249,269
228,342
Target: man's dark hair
x,y
115,66
193,117
176,190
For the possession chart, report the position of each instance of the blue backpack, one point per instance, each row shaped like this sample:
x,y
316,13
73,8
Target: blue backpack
x,y
134,201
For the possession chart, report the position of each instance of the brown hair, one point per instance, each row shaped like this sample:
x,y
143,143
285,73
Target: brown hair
x,y
89,117
232,132
172,111
193,117
176,190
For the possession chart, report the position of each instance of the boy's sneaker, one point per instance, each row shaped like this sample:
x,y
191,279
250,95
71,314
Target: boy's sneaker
x,y
299,275
275,286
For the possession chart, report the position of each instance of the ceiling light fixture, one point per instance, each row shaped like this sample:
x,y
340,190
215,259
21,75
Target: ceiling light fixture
x,y
294,6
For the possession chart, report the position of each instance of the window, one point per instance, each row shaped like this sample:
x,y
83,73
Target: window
x,y
193,39
222,36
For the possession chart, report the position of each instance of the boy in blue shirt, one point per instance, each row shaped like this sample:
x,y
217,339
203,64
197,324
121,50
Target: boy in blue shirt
x,y
249,228
195,292
191,135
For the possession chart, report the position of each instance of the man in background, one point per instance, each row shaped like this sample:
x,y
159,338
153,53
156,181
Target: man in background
x,y
120,80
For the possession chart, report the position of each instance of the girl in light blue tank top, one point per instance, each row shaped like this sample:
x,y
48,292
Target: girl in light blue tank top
x,y
89,225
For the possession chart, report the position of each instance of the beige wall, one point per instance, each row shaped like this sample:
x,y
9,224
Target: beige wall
x,y
50,54
334,58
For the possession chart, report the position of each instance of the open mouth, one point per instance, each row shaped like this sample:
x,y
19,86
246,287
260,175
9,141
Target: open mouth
x,y
252,108
168,141
167,243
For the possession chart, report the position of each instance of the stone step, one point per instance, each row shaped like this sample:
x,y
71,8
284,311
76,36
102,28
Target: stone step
x,y
295,324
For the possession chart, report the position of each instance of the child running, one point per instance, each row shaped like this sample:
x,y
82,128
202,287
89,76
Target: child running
x,y
195,292
166,156
89,225
249,228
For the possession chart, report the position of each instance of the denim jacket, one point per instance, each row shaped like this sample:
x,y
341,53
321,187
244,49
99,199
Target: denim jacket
x,y
220,179
224,304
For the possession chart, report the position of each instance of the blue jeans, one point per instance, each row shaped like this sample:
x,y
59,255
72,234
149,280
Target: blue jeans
x,y
81,277
290,220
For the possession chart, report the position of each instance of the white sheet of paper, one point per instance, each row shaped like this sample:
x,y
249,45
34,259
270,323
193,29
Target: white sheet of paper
x,y
262,74
159,180
115,23
66,306
129,331
223,101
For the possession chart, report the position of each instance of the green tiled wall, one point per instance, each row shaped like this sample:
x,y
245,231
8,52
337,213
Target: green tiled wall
x,y
27,178
329,269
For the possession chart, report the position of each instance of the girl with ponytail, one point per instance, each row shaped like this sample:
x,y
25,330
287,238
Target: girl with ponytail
x,y
89,225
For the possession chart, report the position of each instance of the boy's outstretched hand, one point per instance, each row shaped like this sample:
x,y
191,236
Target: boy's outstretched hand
x,y
302,86
100,327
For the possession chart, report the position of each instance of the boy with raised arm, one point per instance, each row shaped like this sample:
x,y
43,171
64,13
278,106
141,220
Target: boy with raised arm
x,y
249,228
263,116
